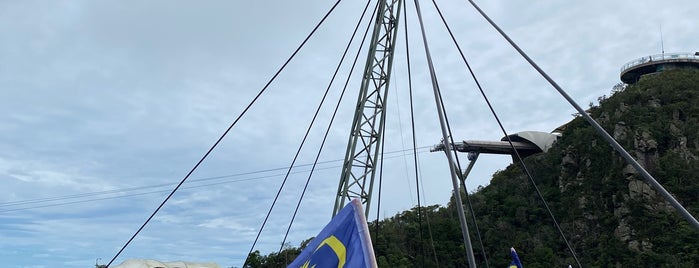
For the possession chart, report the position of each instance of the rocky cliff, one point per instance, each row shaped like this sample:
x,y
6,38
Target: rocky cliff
x,y
611,216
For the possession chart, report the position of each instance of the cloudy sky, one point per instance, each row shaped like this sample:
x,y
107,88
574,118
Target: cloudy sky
x,y
105,105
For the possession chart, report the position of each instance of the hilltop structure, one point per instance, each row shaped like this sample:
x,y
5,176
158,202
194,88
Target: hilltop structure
x,y
632,71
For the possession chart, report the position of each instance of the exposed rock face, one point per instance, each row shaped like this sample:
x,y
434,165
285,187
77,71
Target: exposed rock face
x,y
681,145
607,211
649,127
620,130
645,150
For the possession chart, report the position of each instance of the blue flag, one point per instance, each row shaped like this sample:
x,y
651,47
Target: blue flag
x,y
515,259
344,242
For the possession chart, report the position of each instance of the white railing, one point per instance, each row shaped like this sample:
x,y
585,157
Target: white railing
x,y
661,57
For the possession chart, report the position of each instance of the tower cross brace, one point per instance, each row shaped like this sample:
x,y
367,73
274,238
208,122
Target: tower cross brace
x,y
360,163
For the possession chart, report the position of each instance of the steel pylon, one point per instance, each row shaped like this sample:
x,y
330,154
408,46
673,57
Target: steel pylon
x,y
359,166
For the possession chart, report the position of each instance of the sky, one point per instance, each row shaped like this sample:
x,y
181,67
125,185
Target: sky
x,y
106,105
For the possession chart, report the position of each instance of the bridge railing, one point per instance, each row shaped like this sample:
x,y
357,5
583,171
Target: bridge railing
x,y
660,57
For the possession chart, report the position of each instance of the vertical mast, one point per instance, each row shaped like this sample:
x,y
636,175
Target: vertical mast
x,y
359,166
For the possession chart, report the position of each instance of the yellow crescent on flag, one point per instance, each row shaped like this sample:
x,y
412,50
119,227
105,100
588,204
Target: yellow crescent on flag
x,y
336,247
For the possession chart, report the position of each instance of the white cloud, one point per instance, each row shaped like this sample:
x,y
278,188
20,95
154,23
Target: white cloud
x,y
101,96
230,224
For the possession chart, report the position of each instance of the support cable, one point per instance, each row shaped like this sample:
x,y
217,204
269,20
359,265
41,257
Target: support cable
x,y
402,136
158,191
629,159
224,134
46,202
451,137
380,190
412,126
378,202
516,153
381,162
447,148
470,207
525,168
457,169
332,119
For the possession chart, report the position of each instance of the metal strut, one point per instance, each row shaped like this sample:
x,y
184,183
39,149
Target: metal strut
x,y
359,166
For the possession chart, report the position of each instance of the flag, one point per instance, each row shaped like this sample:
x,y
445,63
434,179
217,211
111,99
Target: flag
x,y
515,259
344,242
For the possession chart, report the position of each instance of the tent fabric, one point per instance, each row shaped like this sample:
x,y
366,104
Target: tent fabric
x,y
141,263
543,140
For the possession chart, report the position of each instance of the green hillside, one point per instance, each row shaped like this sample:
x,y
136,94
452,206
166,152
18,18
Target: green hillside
x,y
611,217
609,214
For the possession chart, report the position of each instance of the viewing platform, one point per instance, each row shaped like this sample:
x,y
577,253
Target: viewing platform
x,y
633,70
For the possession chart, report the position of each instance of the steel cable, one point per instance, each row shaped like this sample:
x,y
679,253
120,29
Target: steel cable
x,y
224,133
332,120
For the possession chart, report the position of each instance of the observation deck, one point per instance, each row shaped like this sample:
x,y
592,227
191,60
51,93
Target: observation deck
x,y
633,70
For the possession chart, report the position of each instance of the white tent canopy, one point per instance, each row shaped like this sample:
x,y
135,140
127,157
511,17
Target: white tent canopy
x,y
139,263
543,140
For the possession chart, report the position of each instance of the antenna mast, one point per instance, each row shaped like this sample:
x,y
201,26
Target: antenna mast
x,y
359,166
662,43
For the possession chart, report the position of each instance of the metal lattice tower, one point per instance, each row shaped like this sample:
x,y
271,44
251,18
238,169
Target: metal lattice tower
x,y
359,166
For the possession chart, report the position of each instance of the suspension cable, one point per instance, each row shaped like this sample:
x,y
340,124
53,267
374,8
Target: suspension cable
x,y
327,131
457,168
46,201
380,190
223,135
447,148
286,177
451,137
612,142
158,191
378,203
516,153
395,78
412,126
378,206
